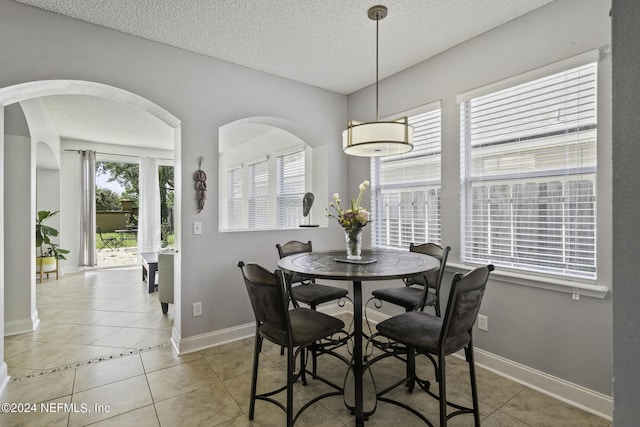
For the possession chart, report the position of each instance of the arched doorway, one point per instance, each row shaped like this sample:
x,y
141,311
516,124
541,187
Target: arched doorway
x,y
32,90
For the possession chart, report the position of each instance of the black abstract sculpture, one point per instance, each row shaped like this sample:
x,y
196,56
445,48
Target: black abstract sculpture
x,y
307,202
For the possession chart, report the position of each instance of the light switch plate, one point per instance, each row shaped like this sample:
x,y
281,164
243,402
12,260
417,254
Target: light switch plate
x,y
197,227
197,309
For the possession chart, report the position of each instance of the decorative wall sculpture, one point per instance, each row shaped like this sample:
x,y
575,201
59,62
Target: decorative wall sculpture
x,y
201,186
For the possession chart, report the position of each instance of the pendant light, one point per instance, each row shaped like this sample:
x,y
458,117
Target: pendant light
x,y
379,138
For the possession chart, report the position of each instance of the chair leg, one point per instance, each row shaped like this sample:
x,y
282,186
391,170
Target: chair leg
x,y
474,387
290,375
410,366
411,369
442,390
314,355
303,366
254,375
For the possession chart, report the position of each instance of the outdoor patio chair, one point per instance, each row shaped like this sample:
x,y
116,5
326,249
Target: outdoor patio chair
x,y
108,242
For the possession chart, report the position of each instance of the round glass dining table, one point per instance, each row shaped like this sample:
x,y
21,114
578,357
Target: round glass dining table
x,y
376,264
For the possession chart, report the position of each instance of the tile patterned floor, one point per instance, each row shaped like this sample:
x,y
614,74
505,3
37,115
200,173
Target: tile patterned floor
x,y
100,357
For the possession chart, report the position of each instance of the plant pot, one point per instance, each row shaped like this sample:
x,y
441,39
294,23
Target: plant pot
x,y
48,264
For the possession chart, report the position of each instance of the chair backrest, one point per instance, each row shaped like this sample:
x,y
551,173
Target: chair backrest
x,y
433,278
99,231
266,292
293,247
464,302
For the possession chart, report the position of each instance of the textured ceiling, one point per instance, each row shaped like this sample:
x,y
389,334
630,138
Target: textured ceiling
x,y
92,118
325,43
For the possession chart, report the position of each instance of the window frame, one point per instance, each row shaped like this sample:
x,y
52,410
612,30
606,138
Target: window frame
x,y
577,281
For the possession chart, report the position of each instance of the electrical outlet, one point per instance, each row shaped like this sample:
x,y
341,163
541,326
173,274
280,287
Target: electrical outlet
x,y
483,323
197,309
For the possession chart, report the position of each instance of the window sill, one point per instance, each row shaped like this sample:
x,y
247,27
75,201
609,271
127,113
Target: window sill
x,y
577,289
242,230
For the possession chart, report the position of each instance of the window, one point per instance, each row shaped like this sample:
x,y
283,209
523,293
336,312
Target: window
x,y
288,169
529,174
405,189
259,194
290,188
234,197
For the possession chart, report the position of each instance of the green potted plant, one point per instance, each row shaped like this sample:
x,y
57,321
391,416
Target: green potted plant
x,y
49,253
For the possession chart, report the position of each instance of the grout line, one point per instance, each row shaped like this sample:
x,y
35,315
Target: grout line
x,y
512,416
153,399
90,361
73,389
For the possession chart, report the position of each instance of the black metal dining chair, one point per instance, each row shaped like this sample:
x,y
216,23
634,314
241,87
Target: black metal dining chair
x,y
419,291
307,291
418,333
296,330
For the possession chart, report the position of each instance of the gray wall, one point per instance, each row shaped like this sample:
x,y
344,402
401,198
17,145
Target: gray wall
x,y
14,121
19,283
204,94
543,329
626,233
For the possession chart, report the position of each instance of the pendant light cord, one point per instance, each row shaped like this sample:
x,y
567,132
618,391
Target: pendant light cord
x,y
377,42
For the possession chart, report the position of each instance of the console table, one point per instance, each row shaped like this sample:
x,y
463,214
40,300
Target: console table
x,y
149,268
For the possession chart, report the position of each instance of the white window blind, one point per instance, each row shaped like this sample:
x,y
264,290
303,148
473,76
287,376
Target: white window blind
x,y
259,195
290,188
529,175
234,197
405,189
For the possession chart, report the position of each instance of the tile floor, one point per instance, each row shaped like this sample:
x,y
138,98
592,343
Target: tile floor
x,y
107,258
101,357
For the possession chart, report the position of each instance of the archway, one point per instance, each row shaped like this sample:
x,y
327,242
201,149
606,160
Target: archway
x,y
32,90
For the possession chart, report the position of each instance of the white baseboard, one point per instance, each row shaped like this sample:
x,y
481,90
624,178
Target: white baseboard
x,y
22,326
573,394
4,376
213,339
175,340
